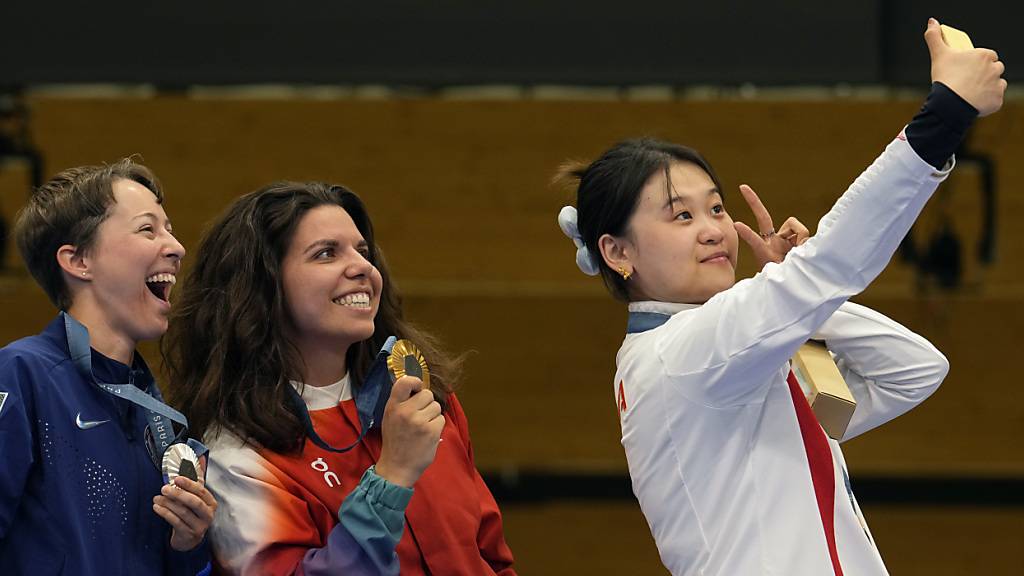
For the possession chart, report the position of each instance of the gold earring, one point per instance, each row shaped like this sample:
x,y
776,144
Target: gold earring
x,y
625,275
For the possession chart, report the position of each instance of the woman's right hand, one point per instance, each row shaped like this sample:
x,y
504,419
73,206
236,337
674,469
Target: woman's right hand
x,y
769,245
975,75
411,431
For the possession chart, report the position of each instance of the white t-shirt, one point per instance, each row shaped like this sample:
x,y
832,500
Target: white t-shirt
x,y
321,397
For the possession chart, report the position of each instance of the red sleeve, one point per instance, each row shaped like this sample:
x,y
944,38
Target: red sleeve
x,y
491,536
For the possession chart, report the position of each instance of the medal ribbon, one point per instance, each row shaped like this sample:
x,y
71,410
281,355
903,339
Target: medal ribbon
x,y
819,460
160,416
370,400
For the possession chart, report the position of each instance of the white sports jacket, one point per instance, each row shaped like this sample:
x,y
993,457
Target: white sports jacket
x,y
709,427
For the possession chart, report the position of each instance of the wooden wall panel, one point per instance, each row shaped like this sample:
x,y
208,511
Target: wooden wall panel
x,y
474,177
948,541
461,195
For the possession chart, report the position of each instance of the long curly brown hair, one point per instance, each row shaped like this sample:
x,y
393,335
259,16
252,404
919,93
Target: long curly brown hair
x,y
226,355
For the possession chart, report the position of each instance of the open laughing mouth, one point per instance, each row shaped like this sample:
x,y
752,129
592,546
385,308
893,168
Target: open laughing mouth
x,y
160,285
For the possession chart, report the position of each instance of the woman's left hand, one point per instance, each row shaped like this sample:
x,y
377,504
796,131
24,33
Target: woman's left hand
x,y
769,245
188,507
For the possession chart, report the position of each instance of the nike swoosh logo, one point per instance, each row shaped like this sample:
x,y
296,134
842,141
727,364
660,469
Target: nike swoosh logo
x,y
87,424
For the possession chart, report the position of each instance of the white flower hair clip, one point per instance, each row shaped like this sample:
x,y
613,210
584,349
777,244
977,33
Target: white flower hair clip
x,y
567,222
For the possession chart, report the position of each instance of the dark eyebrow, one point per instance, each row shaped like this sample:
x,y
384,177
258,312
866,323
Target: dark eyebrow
x,y
671,202
323,243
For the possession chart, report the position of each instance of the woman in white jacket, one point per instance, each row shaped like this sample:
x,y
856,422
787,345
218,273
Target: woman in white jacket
x,y
729,465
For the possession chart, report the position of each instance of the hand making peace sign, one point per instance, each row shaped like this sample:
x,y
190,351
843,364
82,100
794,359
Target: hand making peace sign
x,y
769,245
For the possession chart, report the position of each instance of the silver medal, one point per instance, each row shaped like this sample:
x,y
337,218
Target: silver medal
x,y
180,460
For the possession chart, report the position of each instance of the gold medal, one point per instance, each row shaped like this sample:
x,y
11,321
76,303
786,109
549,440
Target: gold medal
x,y
956,39
826,390
406,360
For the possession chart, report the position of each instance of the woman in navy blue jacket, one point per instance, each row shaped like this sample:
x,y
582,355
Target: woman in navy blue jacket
x,y
82,423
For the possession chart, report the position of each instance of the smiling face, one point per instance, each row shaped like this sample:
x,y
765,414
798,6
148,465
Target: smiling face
x,y
680,246
331,290
131,267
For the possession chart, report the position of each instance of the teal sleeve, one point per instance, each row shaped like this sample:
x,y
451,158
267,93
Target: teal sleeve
x,y
371,521
376,506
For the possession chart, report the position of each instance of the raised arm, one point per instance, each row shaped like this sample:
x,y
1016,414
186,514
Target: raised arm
x,y
760,322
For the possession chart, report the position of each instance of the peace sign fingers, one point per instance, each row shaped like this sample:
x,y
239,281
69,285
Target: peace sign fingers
x,y
765,228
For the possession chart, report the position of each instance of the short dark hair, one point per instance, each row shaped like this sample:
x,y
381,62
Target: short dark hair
x,y
227,353
68,209
609,192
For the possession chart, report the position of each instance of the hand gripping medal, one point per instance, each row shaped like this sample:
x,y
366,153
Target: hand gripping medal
x,y
407,360
395,359
180,460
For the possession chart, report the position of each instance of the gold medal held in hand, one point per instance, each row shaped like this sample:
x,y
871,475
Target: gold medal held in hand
x,y
956,39
406,360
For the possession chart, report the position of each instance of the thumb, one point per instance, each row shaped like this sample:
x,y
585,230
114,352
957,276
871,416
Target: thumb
x,y
748,235
933,38
403,388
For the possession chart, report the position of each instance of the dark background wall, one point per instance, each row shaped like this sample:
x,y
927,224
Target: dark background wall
x,y
444,42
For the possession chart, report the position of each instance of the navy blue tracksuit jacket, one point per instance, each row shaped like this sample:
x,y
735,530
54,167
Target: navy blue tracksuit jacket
x,y
76,480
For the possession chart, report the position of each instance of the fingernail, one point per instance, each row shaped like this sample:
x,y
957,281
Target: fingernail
x,y
933,21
